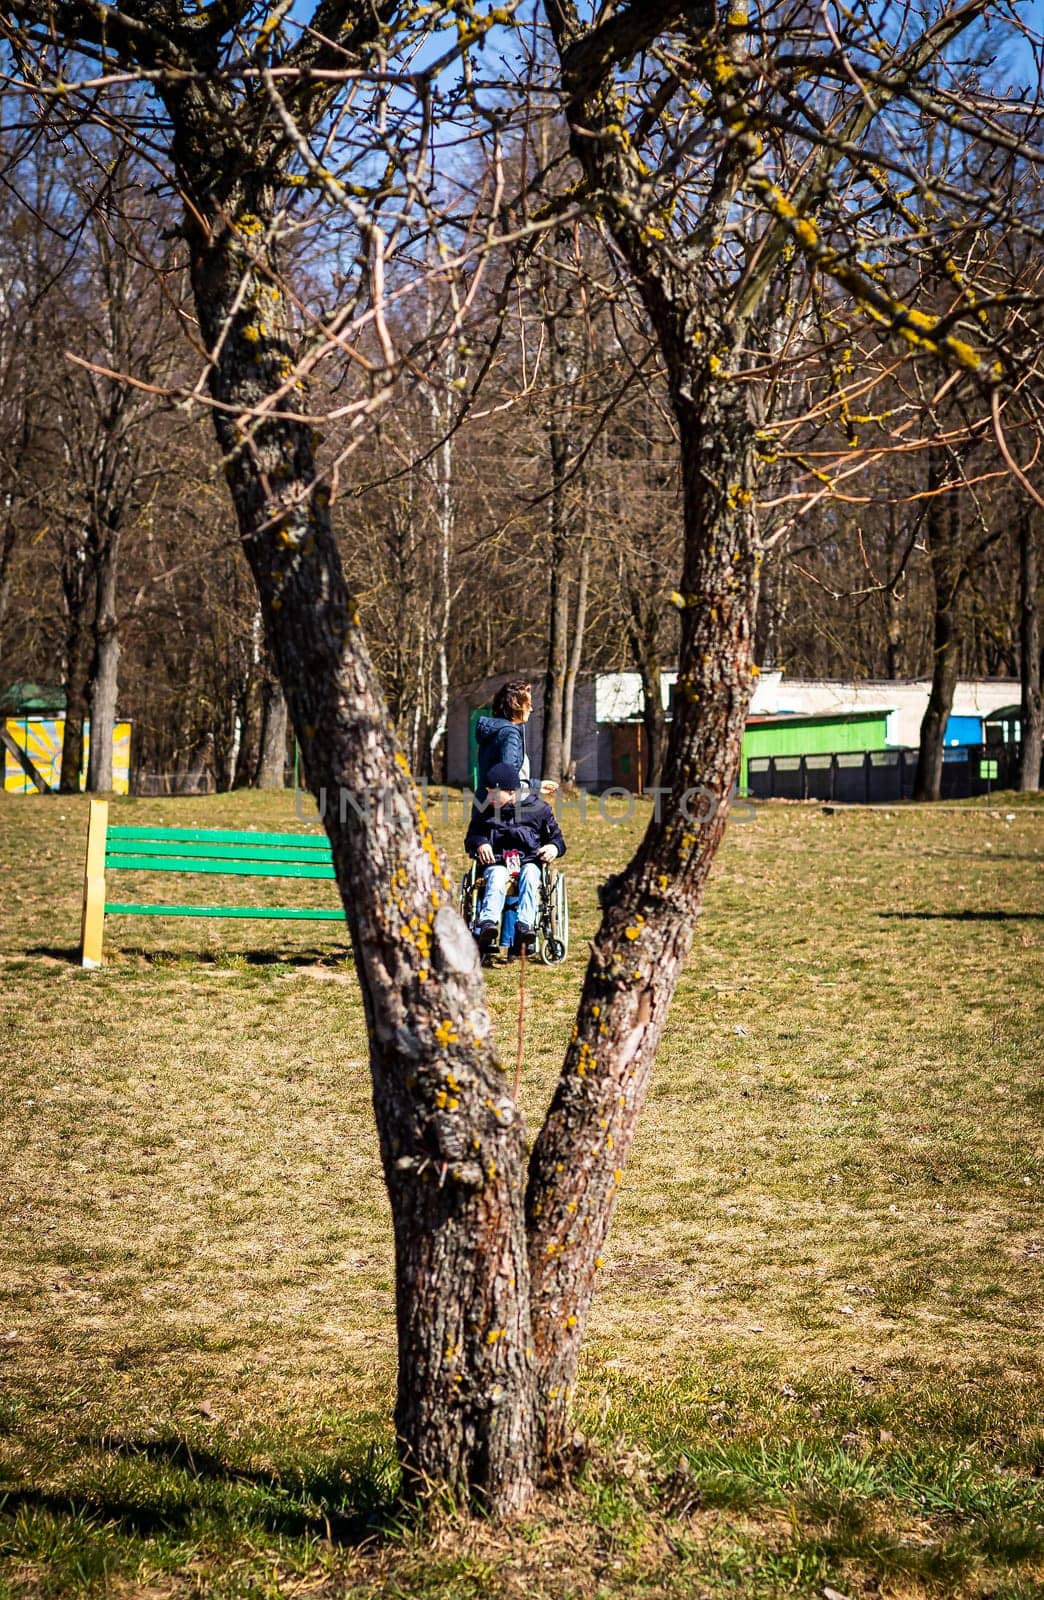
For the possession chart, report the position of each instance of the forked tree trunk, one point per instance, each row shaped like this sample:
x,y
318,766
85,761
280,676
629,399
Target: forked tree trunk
x,y
1029,646
495,1262
104,669
452,1142
485,1373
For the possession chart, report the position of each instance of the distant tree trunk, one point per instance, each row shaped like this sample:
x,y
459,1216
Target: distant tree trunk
x,y
251,731
442,469
72,740
643,633
654,723
772,609
246,697
230,767
76,587
576,656
7,549
928,779
564,372
271,765
196,775
554,678
654,719
104,668
943,527
892,603
1029,643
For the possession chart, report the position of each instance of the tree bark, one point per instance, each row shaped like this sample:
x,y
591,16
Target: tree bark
x,y
1029,647
104,668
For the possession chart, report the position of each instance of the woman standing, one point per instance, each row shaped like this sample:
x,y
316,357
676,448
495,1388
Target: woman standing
x,y
502,736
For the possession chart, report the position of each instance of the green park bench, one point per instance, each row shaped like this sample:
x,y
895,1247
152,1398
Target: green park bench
x,y
215,851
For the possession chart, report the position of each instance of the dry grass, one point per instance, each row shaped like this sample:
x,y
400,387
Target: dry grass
x,y
822,1294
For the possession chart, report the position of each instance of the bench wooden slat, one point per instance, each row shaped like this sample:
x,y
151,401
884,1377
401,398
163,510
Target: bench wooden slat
x,y
286,914
308,841
116,851
224,868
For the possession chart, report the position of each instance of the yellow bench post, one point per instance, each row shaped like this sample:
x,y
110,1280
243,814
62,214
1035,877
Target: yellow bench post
x,y
93,925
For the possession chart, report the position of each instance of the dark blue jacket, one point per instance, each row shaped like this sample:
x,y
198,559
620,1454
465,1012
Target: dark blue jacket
x,y
498,740
523,826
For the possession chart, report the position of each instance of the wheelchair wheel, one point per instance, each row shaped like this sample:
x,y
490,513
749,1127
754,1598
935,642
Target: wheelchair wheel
x,y
555,943
466,904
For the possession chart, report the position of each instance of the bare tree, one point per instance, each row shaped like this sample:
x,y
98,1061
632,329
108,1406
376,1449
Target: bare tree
x,y
25,468
115,320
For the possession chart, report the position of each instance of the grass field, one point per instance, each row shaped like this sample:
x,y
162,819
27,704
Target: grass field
x,y
815,1364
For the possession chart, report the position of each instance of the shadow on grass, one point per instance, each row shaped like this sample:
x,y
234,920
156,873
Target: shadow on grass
x,y
964,916
204,958
343,1503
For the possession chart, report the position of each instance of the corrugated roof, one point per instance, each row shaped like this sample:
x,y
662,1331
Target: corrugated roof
x,y
856,714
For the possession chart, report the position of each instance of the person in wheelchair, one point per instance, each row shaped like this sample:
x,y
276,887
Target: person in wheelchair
x,y
513,833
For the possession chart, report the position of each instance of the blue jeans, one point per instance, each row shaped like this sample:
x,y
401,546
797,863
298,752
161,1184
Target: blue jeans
x,y
491,903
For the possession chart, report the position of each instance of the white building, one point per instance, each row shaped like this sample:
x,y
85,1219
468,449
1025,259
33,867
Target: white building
x,y
606,699
906,698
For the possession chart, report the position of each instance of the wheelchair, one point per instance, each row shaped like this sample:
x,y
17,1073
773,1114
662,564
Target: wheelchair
x,y
551,944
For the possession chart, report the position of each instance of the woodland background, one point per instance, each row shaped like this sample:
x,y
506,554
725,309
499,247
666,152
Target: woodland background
x,y
530,521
